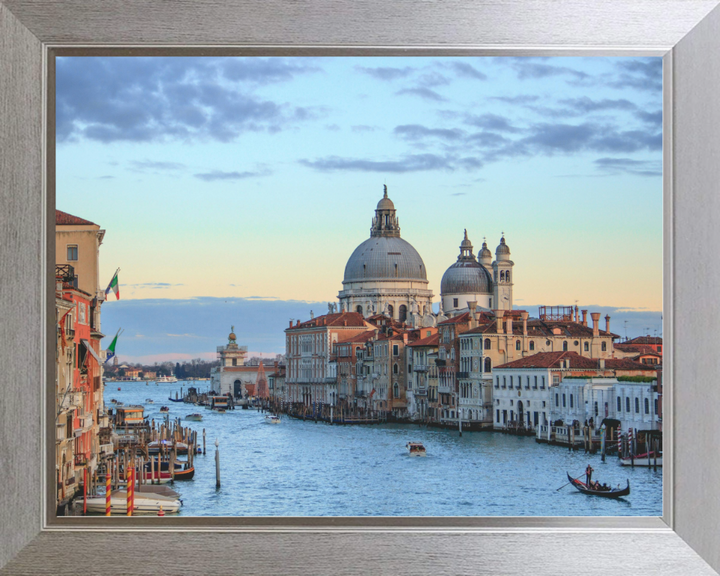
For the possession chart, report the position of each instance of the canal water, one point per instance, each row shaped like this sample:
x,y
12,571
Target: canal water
x,y
303,468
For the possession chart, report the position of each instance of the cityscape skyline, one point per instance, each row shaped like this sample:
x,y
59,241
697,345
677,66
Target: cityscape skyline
x,y
245,174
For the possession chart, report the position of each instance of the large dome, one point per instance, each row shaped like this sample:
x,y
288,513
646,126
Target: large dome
x,y
466,277
385,258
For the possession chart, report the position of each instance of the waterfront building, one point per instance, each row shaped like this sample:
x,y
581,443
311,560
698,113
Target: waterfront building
x,y
638,353
448,363
654,342
422,390
353,375
276,383
82,428
526,392
311,378
386,275
233,376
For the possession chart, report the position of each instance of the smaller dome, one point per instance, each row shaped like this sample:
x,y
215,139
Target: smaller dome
x,y
502,247
485,254
385,202
466,244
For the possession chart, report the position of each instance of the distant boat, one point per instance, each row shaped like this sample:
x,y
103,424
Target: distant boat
x,y
613,493
416,449
166,379
176,399
194,417
150,401
164,409
643,460
272,419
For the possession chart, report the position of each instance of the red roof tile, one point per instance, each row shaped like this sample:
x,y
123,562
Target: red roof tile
x,y
645,340
65,219
577,362
340,319
459,319
432,340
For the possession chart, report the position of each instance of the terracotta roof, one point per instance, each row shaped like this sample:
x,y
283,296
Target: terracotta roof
x,y
359,338
65,219
542,329
645,340
638,348
340,319
432,340
577,362
459,319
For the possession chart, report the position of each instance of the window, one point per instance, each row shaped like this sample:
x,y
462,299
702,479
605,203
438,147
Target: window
x,y
542,387
497,381
395,350
517,344
565,346
488,344
391,311
619,404
455,302
72,252
637,405
532,345
647,406
535,386
488,365
396,390
395,369
587,347
603,347
596,409
358,309
656,406
627,404
564,404
527,383
571,400
497,416
511,381
557,399
504,384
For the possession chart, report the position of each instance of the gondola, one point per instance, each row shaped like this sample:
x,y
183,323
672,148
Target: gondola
x,y
615,493
176,399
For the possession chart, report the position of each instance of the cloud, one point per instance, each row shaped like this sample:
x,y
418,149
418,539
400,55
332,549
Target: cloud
x,y
586,105
652,118
410,163
491,122
520,99
143,165
424,93
416,131
162,99
215,175
629,166
363,128
387,72
154,285
465,70
532,68
639,73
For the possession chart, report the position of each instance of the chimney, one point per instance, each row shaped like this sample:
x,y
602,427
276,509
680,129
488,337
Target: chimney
x,y
473,321
508,325
577,315
499,317
290,323
596,326
584,320
524,316
602,363
607,323
312,316
405,337
297,323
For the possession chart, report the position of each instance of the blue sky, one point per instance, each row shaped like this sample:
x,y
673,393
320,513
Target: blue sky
x,y
255,178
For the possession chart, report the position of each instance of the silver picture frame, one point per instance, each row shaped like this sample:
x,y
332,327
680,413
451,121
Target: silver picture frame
x,y
686,33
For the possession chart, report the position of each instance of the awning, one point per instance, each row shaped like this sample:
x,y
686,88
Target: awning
x,y
94,354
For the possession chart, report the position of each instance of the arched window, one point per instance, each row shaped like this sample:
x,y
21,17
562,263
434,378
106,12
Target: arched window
x,y
532,345
488,365
395,368
502,275
604,347
619,404
647,406
587,346
358,309
391,311
507,276
627,404
488,344
637,405
402,313
572,396
396,390
517,344
565,346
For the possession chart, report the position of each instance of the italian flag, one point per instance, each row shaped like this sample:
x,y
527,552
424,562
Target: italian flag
x,y
114,286
111,349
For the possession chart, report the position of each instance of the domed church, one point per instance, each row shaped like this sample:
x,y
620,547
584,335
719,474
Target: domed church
x,y
385,274
469,279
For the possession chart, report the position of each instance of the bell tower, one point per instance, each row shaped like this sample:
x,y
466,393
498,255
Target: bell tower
x,y
503,277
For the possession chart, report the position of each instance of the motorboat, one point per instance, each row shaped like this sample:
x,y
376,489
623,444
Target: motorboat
x,y
150,401
166,380
272,419
145,503
194,417
164,409
416,449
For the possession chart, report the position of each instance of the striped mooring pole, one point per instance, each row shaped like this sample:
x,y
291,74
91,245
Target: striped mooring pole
x,y
108,488
619,433
130,481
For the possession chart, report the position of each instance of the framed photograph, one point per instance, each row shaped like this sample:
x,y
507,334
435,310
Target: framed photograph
x,y
675,538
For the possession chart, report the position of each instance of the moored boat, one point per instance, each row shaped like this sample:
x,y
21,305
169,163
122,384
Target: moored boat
x,y
166,379
183,470
647,459
154,447
144,503
416,449
611,493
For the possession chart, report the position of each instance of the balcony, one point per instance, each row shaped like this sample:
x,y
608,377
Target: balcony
x,y
421,367
463,375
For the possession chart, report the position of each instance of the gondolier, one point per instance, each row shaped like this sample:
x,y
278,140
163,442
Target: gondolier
x,y
588,472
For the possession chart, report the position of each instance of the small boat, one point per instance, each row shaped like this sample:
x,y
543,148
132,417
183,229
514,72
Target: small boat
x,y
612,493
416,449
113,401
183,470
220,410
150,401
166,379
176,399
195,417
144,504
164,409
643,460
272,419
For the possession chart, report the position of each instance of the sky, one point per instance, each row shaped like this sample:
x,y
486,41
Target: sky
x,y
233,190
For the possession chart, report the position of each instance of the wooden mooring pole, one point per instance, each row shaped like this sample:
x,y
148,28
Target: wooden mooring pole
x,y
217,464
